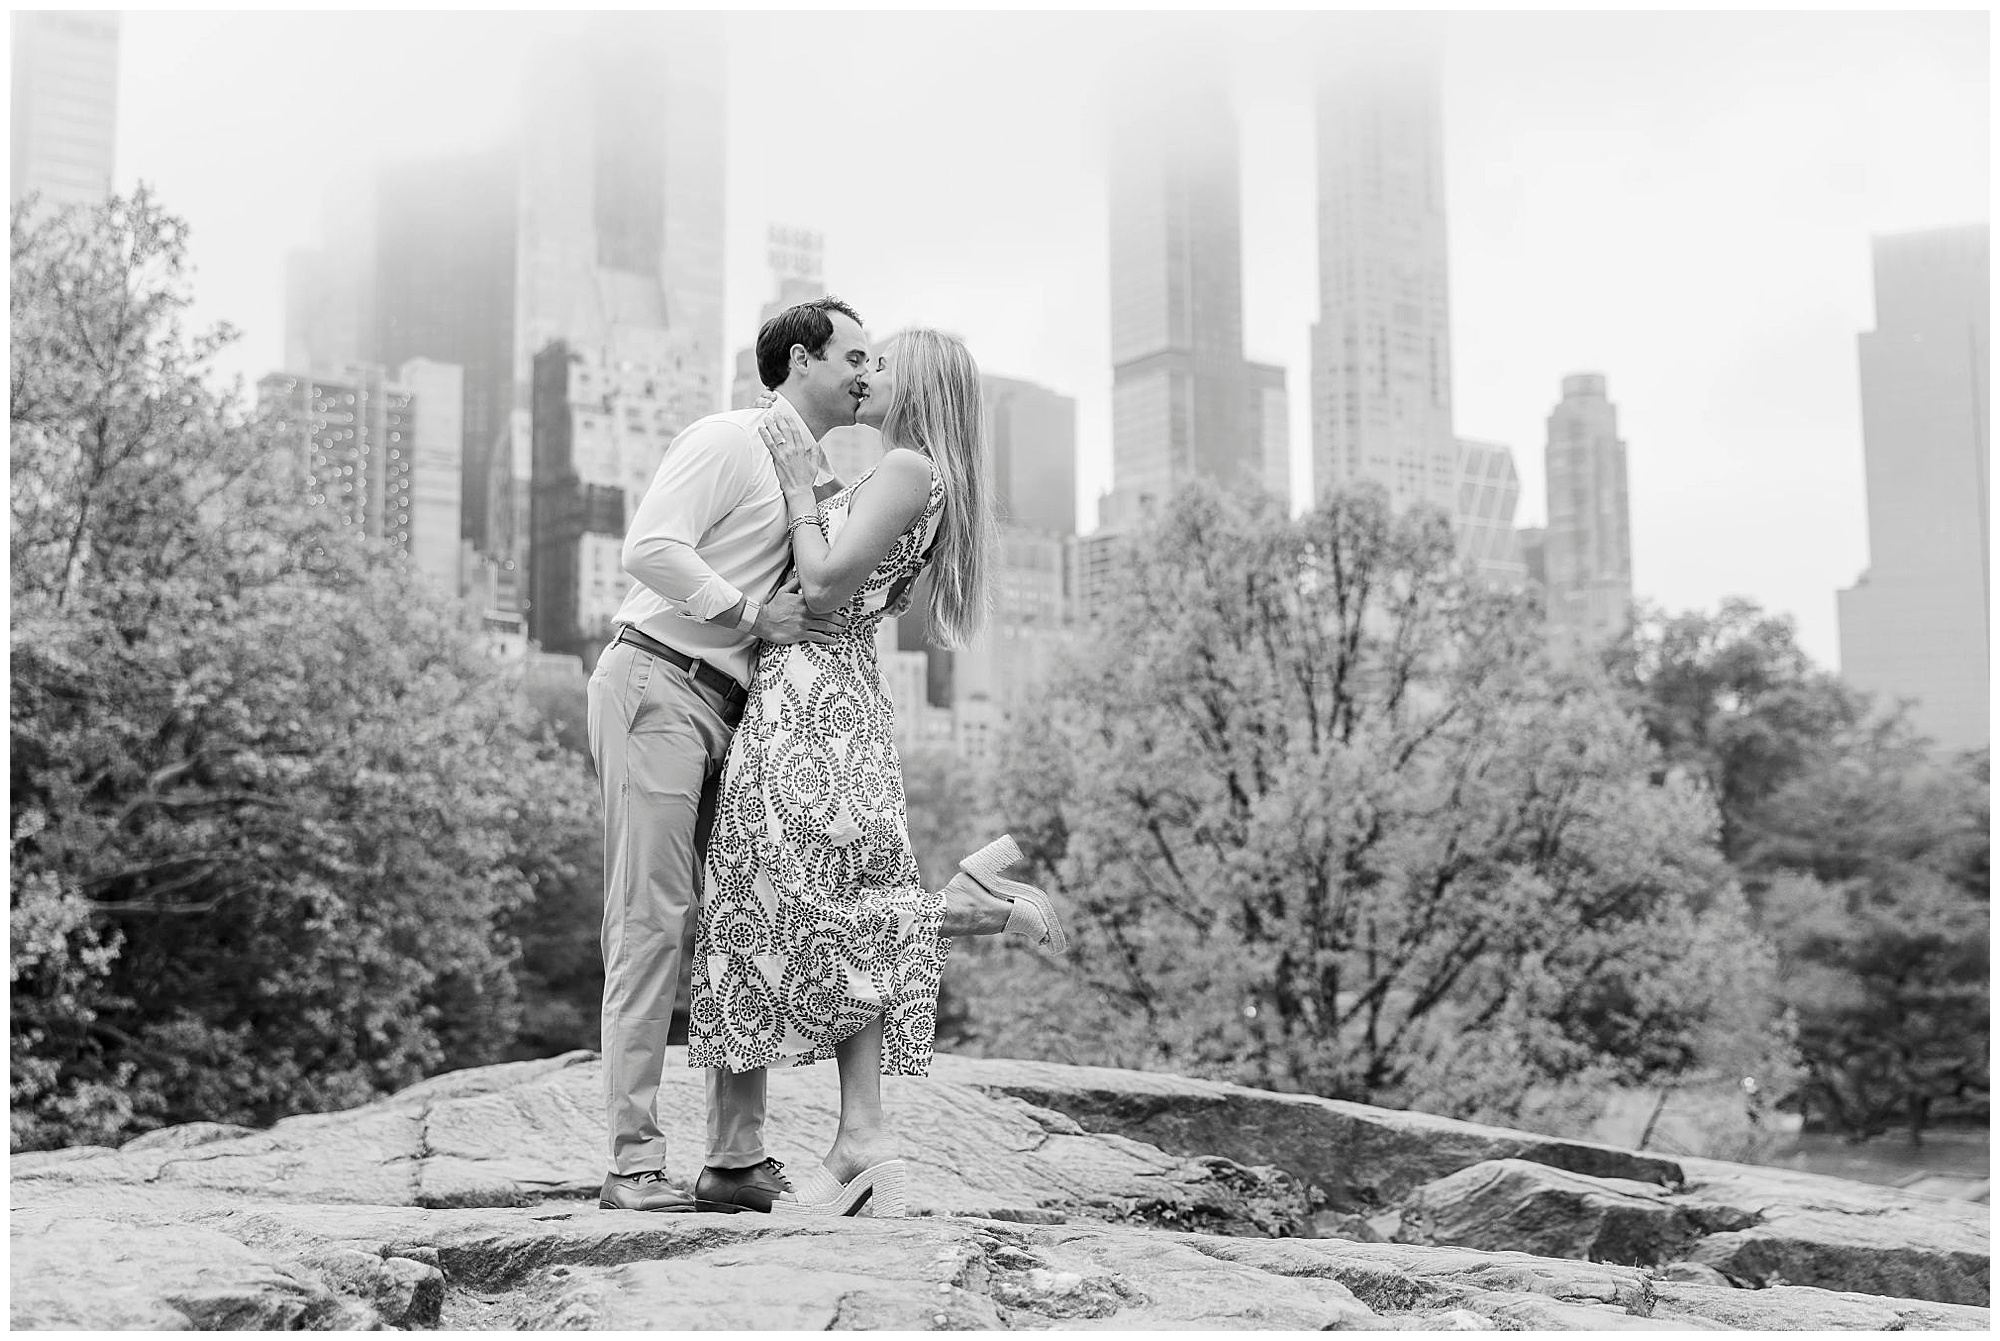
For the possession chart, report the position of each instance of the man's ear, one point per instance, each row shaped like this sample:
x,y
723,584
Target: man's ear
x,y
801,361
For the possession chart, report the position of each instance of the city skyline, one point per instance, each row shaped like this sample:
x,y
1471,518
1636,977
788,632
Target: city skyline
x,y
1716,273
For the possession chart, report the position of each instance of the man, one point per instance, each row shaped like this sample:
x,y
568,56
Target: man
x,y
709,554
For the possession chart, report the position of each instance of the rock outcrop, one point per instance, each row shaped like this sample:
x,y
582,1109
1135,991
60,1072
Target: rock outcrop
x,y
1045,1196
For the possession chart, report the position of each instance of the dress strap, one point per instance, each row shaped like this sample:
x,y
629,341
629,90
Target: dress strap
x,y
934,511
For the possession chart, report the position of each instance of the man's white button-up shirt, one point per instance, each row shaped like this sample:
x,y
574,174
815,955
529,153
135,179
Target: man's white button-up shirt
x,y
710,530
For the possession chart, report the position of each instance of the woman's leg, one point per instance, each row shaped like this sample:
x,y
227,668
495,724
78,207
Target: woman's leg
x,y
863,1140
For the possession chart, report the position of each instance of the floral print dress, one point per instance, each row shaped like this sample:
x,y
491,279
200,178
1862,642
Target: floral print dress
x,y
813,917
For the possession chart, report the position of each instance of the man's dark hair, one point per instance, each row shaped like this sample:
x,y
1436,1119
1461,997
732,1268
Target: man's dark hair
x,y
803,324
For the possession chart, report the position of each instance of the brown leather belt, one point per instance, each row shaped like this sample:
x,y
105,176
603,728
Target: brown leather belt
x,y
720,683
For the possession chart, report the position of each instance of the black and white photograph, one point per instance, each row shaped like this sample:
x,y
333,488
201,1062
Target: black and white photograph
x,y
936,669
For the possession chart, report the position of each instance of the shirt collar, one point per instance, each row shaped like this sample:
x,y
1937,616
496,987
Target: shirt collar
x,y
785,409
822,469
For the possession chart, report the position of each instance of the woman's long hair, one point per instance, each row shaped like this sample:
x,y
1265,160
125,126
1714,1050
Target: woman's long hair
x,y
935,409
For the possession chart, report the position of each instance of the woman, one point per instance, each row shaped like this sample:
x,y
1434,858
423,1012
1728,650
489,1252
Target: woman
x,y
817,938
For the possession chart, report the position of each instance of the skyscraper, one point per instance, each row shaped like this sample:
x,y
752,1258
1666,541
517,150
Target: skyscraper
x,y
441,252
381,453
1381,350
63,105
1915,624
1031,432
1483,521
604,416
352,434
1178,381
1091,564
1001,671
437,482
601,225
330,289
620,225
1534,542
417,261
796,256
1588,547
1031,438
1271,427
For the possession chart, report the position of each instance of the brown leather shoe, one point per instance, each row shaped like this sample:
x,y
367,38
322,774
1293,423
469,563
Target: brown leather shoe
x,y
648,1191
751,1189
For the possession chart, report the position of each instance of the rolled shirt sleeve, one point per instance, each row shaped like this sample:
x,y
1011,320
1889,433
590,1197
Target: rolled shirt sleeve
x,y
703,475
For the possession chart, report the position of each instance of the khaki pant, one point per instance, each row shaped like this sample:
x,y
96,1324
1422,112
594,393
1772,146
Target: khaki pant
x,y
658,740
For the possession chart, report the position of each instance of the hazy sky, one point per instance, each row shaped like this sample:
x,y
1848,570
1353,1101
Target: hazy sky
x,y
1682,202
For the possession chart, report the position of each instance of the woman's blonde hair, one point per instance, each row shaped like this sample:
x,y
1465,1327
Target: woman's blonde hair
x,y
934,408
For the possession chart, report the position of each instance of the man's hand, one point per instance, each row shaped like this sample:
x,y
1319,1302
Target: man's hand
x,y
785,619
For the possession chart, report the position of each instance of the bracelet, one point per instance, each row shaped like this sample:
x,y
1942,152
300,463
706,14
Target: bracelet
x,y
748,619
797,522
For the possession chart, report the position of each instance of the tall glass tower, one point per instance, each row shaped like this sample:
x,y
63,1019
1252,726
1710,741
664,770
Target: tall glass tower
x,y
1588,547
1381,350
1915,624
63,105
1179,393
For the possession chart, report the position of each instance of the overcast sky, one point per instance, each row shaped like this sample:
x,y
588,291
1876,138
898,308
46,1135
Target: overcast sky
x,y
1682,202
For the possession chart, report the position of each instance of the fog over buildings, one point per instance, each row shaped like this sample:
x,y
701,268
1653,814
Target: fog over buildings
x,y
62,105
1180,405
1918,622
1681,202
1381,366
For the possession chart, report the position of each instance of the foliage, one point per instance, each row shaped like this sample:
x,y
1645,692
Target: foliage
x,y
1875,805
1866,853
946,810
1332,823
561,968
1883,922
1891,988
946,804
270,802
1731,699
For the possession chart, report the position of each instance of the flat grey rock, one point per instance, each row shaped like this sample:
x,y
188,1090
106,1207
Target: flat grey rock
x,y
469,1201
1362,1158
1514,1203
1805,1309
1778,1226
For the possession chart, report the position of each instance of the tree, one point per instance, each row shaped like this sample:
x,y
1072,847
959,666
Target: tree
x,y
946,811
1331,823
1890,982
1874,804
1866,855
1877,856
1732,700
270,802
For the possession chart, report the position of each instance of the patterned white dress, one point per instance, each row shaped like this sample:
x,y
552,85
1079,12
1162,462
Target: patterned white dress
x,y
813,917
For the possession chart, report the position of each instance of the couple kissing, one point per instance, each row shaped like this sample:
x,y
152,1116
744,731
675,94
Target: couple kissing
x,y
756,843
